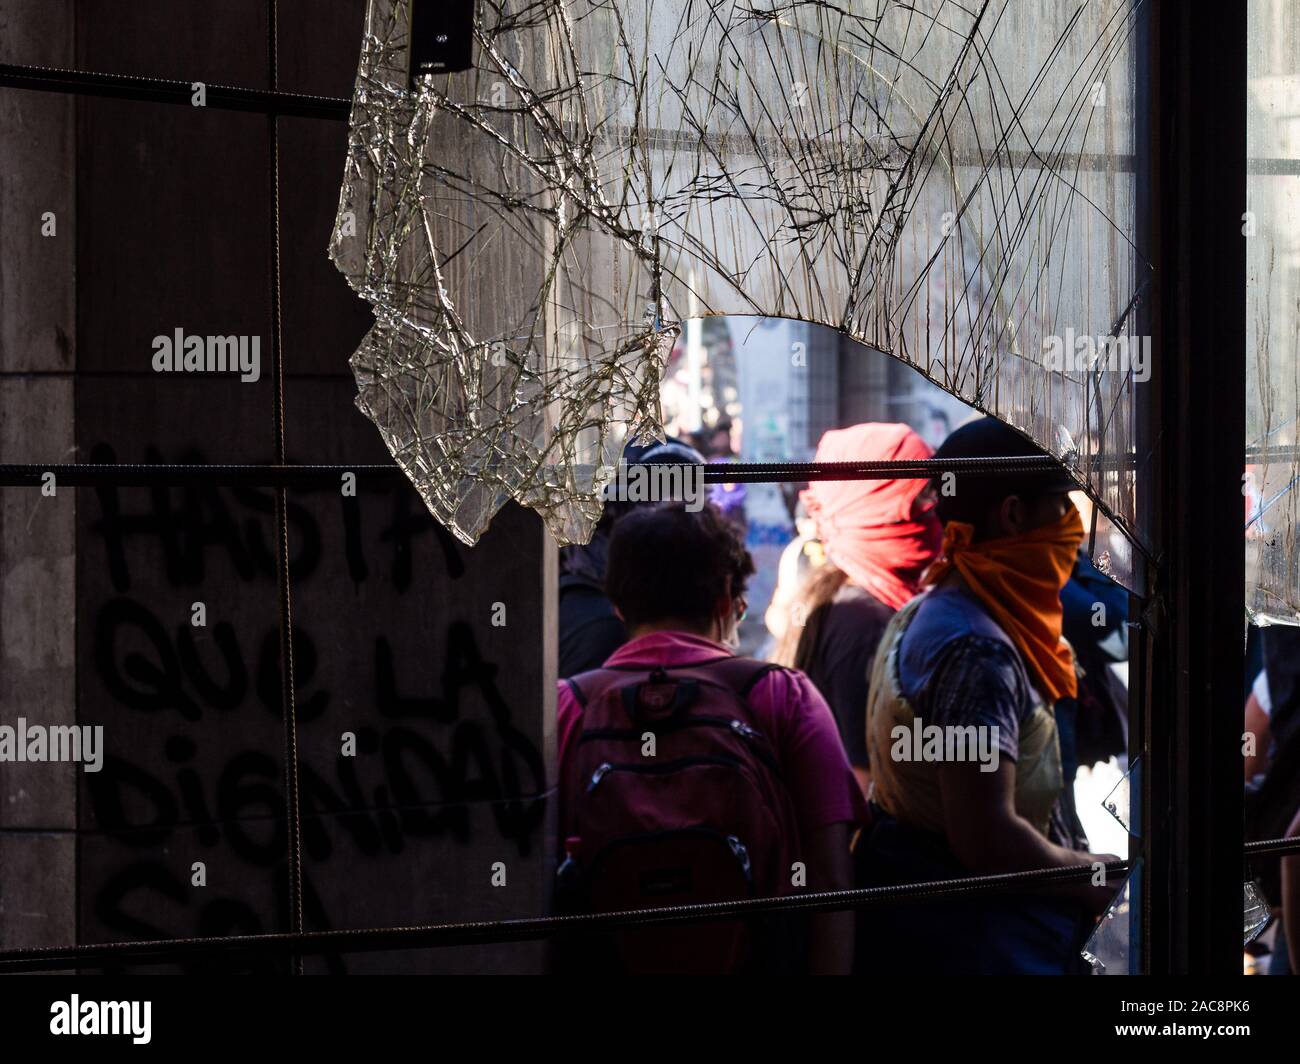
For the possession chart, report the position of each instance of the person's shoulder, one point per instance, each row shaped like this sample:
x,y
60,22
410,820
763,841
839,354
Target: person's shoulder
x,y
959,648
853,602
784,692
568,696
944,616
955,606
568,717
754,676
588,635
974,658
849,633
580,599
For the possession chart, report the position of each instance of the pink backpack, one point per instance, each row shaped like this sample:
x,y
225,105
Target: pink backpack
x,y
705,817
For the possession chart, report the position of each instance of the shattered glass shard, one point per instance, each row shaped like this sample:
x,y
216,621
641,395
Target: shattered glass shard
x,y
1110,947
936,180
1122,801
1256,912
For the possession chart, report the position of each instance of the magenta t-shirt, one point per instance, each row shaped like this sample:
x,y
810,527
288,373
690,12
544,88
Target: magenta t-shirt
x,y
786,707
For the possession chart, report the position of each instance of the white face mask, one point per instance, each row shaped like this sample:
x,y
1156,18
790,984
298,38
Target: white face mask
x,y
731,634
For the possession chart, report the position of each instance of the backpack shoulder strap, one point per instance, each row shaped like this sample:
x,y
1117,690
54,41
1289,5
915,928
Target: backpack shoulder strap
x,y
740,675
579,695
589,685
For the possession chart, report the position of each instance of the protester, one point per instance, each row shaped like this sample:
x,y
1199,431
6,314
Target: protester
x,y
1288,940
800,558
1093,725
1272,770
688,774
877,536
1259,705
1272,713
589,629
714,441
975,665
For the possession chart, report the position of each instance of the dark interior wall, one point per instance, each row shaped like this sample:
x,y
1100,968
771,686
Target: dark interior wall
x,y
37,533
393,619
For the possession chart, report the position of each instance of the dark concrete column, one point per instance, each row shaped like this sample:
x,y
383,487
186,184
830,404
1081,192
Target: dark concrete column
x,y
37,358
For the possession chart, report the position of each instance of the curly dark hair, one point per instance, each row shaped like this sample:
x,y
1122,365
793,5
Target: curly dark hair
x,y
667,563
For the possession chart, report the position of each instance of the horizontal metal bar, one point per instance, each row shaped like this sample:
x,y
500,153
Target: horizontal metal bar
x,y
370,940
919,469
1272,847
128,475
180,93
337,108
93,474
144,474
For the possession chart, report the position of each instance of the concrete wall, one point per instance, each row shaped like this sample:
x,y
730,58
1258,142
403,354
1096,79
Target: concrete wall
x,y
395,643
38,288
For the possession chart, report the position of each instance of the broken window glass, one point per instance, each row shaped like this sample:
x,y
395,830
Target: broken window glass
x,y
1111,949
1271,226
951,184
1256,912
1122,802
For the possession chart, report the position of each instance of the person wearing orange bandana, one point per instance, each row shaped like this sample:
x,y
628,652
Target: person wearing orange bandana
x,y
966,762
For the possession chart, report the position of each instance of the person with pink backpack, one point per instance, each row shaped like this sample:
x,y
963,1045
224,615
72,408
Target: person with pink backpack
x,y
688,774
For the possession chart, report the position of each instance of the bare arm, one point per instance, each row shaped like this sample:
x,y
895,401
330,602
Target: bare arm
x,y
830,868
989,837
1257,724
1291,898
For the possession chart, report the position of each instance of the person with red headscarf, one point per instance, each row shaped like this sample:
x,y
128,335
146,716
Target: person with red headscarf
x,y
877,537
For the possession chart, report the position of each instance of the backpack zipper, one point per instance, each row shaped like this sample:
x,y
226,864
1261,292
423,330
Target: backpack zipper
x,y
755,738
738,849
606,767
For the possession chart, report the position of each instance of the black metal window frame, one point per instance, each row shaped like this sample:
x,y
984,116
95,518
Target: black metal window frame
x,y
1190,161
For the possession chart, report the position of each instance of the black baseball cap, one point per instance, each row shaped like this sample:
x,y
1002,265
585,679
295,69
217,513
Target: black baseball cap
x,y
671,452
987,437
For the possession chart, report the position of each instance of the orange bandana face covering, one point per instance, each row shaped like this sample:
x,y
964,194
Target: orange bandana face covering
x,y
1019,579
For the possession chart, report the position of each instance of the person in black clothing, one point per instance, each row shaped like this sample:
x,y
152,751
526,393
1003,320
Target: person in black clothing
x,y
878,536
1092,725
590,631
1273,776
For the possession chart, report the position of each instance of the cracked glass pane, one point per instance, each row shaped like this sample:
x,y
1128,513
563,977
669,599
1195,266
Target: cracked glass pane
x,y
1111,948
1256,912
1122,801
1271,226
950,184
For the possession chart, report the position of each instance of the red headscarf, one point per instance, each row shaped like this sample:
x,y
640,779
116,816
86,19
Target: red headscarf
x,y
866,527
